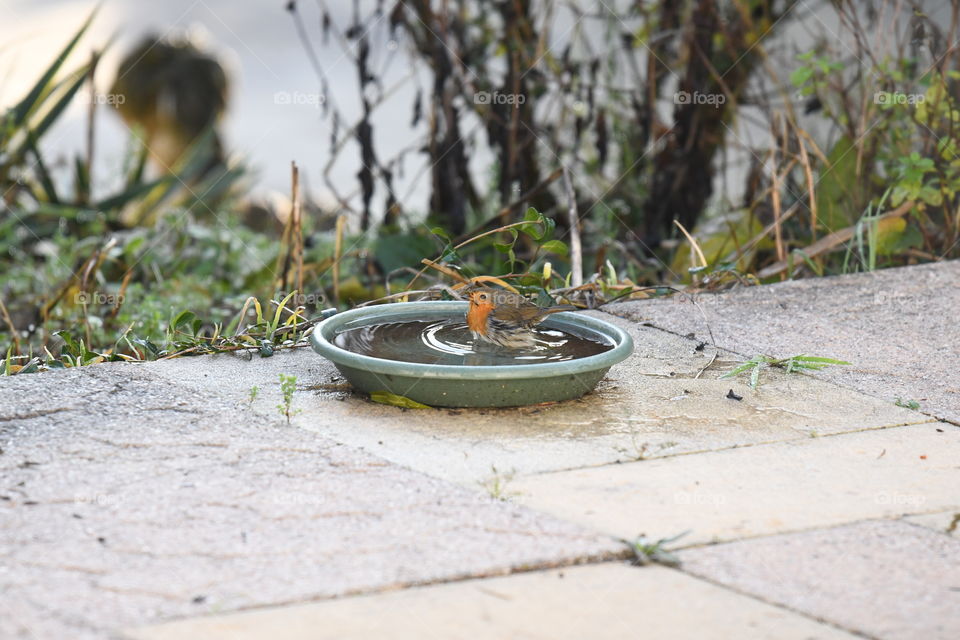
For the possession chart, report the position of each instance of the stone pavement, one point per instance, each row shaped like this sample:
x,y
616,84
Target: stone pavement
x,y
606,601
127,498
832,574
897,326
158,501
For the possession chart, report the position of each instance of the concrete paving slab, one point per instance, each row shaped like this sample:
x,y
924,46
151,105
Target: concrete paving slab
x,y
649,406
897,326
126,498
738,493
601,601
885,579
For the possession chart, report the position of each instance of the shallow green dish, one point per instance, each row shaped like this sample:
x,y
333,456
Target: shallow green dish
x,y
462,385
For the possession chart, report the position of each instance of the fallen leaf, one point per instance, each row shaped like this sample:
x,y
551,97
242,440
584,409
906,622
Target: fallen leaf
x,y
392,399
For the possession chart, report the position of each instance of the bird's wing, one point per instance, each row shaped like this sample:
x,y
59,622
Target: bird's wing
x,y
522,314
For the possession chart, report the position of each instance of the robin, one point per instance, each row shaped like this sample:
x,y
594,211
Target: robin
x,y
506,319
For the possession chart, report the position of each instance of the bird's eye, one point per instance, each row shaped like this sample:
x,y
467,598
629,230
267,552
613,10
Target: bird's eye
x,y
483,296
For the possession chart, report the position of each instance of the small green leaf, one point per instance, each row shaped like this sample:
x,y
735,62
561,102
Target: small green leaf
x,y
146,344
540,227
800,76
398,250
186,319
548,226
555,246
71,346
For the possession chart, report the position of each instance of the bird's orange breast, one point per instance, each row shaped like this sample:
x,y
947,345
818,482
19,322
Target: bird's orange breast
x,y
477,317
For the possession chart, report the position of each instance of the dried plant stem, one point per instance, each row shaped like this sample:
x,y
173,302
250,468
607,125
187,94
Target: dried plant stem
x,y
297,227
401,295
91,115
693,244
832,241
121,294
337,255
13,330
291,255
811,183
777,225
576,250
442,269
755,240
465,243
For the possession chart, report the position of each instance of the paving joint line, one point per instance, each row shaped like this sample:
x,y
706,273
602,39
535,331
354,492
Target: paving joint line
x,y
778,605
775,534
607,557
746,445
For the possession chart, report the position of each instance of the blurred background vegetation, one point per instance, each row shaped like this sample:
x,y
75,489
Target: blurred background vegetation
x,y
579,150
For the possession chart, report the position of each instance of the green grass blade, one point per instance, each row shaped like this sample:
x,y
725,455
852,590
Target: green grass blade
x,y
818,359
33,99
33,134
73,83
121,199
792,364
810,263
280,308
81,180
739,369
49,190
